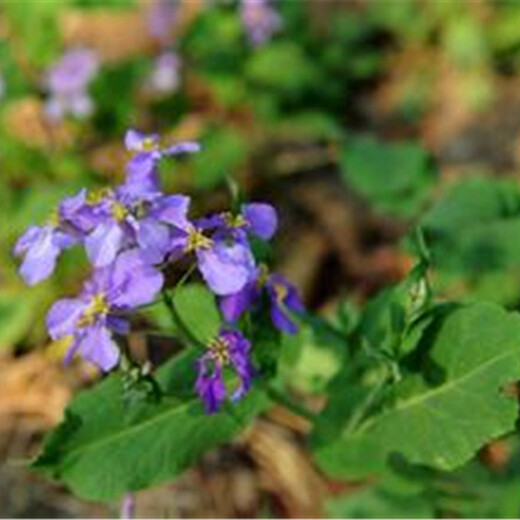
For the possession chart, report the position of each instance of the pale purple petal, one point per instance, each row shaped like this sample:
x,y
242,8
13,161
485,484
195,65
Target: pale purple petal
x,y
183,147
40,257
153,239
104,243
28,238
98,347
139,282
261,218
172,209
226,268
63,316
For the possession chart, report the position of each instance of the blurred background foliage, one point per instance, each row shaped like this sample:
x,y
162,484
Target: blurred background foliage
x,y
359,119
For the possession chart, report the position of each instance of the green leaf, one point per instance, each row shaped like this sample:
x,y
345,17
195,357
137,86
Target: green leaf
x,y
394,178
198,310
373,502
284,67
442,417
223,152
104,449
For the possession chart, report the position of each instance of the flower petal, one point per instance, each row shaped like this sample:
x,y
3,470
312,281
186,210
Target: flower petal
x,y
98,347
153,239
40,256
137,283
226,268
262,219
63,316
104,243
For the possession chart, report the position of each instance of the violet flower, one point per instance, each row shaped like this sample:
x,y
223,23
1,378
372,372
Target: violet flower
x,y
165,77
142,168
161,17
229,349
90,318
283,298
67,82
260,20
226,265
40,246
256,218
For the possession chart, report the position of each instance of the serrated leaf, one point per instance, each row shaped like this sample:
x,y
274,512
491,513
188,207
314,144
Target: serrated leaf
x,y
476,350
104,449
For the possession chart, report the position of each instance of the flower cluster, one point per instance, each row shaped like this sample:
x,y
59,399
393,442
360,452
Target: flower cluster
x,y
67,82
260,20
130,233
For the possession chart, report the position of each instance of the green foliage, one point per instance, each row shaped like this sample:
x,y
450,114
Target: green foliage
x,y
197,309
104,449
441,415
224,151
394,178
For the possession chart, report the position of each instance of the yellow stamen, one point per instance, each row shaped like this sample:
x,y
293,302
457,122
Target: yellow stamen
x,y
98,307
119,212
149,145
234,221
196,240
281,292
220,350
96,196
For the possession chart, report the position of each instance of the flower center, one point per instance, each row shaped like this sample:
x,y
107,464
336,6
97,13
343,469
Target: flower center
x,y
281,292
98,307
234,221
149,145
96,196
220,351
119,212
196,240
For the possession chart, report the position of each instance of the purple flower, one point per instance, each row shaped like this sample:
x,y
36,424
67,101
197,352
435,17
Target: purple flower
x,y
256,218
161,18
40,246
225,264
67,82
142,168
165,78
229,349
260,20
283,298
127,219
90,318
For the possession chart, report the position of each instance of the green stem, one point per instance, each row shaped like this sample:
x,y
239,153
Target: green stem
x,y
284,400
360,412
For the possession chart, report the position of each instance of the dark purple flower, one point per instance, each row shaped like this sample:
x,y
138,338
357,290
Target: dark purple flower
x,y
40,246
67,82
165,77
142,168
283,298
90,319
229,349
260,20
161,17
